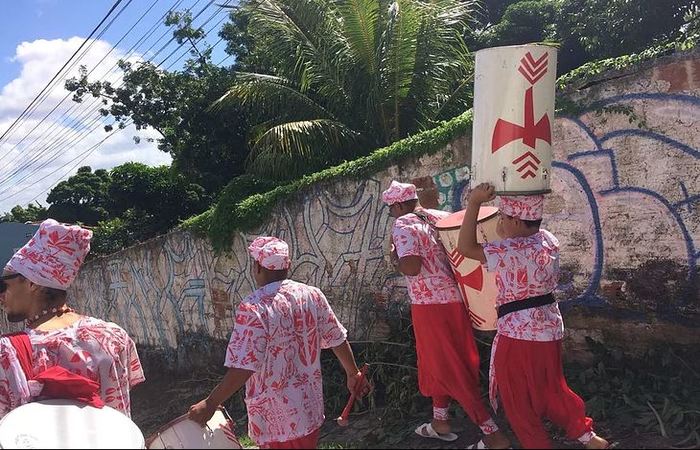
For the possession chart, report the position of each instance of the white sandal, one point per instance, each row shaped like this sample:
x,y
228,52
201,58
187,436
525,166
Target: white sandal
x,y
426,430
480,446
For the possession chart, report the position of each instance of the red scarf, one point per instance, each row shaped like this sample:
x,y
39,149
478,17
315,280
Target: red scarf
x,y
58,382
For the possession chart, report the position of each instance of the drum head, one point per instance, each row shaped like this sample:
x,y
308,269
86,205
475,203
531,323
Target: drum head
x,y
68,424
185,433
455,220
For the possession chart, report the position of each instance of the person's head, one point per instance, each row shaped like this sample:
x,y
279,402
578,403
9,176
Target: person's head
x,y
39,274
401,198
520,216
270,260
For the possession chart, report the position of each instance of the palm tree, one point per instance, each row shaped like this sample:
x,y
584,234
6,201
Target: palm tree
x,y
351,74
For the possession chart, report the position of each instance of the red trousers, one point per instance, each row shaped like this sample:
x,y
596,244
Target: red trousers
x,y
448,360
532,386
308,441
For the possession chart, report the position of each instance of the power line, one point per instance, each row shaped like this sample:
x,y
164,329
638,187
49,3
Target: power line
x,y
13,125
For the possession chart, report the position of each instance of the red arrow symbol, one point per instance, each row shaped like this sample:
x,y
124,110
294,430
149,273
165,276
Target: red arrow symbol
x,y
533,70
526,165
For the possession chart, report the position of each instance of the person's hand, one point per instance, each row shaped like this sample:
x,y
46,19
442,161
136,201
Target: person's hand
x,y
201,412
358,384
483,193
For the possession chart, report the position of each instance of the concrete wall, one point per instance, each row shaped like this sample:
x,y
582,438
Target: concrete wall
x,y
625,205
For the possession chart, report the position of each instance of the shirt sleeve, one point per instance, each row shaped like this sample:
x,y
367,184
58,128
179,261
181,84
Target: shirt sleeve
x,y
14,390
136,375
495,253
248,344
332,332
406,240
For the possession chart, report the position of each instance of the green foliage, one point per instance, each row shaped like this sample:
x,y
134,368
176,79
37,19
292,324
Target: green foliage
x,y
32,213
251,212
82,198
348,77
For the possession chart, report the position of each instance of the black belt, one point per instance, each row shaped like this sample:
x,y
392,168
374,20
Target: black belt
x,y
519,305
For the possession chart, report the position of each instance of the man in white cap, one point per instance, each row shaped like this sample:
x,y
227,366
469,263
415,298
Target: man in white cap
x,y
448,359
526,365
275,350
60,354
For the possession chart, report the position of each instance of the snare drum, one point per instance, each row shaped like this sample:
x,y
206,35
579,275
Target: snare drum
x,y
68,424
185,433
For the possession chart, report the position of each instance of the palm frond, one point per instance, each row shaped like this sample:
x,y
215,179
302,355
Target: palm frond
x,y
294,148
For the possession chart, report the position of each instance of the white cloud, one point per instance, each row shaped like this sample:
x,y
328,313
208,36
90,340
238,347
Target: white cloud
x,y
33,160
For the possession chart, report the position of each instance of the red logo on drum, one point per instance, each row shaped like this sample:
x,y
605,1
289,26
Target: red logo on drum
x,y
506,132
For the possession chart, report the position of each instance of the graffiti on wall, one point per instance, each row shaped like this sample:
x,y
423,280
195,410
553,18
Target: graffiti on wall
x,y
625,198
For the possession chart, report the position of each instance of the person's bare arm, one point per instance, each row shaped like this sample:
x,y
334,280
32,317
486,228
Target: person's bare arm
x,y
467,243
234,380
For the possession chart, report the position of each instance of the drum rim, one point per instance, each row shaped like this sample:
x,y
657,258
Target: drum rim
x,y
517,46
485,219
177,420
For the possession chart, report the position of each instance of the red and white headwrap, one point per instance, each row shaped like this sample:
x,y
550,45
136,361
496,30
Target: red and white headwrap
x,y
399,192
270,252
524,207
52,258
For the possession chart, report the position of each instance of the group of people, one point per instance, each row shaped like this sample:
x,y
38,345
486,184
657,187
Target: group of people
x,y
281,328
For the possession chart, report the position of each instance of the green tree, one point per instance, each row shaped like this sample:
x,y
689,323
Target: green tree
x,y
349,77
208,147
81,198
32,213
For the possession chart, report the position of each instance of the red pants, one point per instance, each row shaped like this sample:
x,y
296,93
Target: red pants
x,y
448,360
308,441
531,386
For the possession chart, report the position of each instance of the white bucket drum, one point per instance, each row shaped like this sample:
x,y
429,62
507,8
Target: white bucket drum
x,y
68,424
185,433
478,287
513,117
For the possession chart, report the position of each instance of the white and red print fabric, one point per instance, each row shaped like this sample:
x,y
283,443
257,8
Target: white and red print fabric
x,y
524,207
53,256
270,252
525,267
412,236
98,350
279,332
399,192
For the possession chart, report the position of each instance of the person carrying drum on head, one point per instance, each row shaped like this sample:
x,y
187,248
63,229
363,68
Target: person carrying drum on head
x,y
448,360
60,354
526,366
275,350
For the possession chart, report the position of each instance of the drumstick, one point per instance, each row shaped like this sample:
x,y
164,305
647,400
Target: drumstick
x,y
343,419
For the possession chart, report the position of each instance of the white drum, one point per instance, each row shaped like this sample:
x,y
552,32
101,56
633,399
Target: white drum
x,y
68,424
513,118
185,433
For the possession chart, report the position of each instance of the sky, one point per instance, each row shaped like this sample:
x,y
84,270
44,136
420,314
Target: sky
x,y
36,38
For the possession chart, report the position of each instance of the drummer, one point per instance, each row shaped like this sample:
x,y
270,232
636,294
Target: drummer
x,y
448,360
60,353
275,350
526,365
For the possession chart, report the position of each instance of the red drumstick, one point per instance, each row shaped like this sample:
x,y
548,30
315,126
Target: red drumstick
x,y
343,419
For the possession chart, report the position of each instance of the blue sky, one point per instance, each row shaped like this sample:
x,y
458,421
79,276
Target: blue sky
x,y
36,38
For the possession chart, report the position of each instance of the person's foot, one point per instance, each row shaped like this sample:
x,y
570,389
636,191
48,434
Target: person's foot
x,y
597,442
496,440
441,426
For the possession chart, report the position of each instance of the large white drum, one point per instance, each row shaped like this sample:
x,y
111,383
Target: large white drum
x,y
68,424
513,117
478,287
185,433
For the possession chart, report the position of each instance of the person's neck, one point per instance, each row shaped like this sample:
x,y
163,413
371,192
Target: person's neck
x,y
527,232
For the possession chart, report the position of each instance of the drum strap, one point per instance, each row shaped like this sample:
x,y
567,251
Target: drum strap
x,y
528,303
58,382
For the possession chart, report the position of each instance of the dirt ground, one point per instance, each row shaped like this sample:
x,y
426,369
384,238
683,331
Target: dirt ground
x,y
158,401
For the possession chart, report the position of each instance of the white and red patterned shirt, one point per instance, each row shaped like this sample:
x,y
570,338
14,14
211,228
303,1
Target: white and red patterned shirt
x,y
279,333
98,350
527,267
412,236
